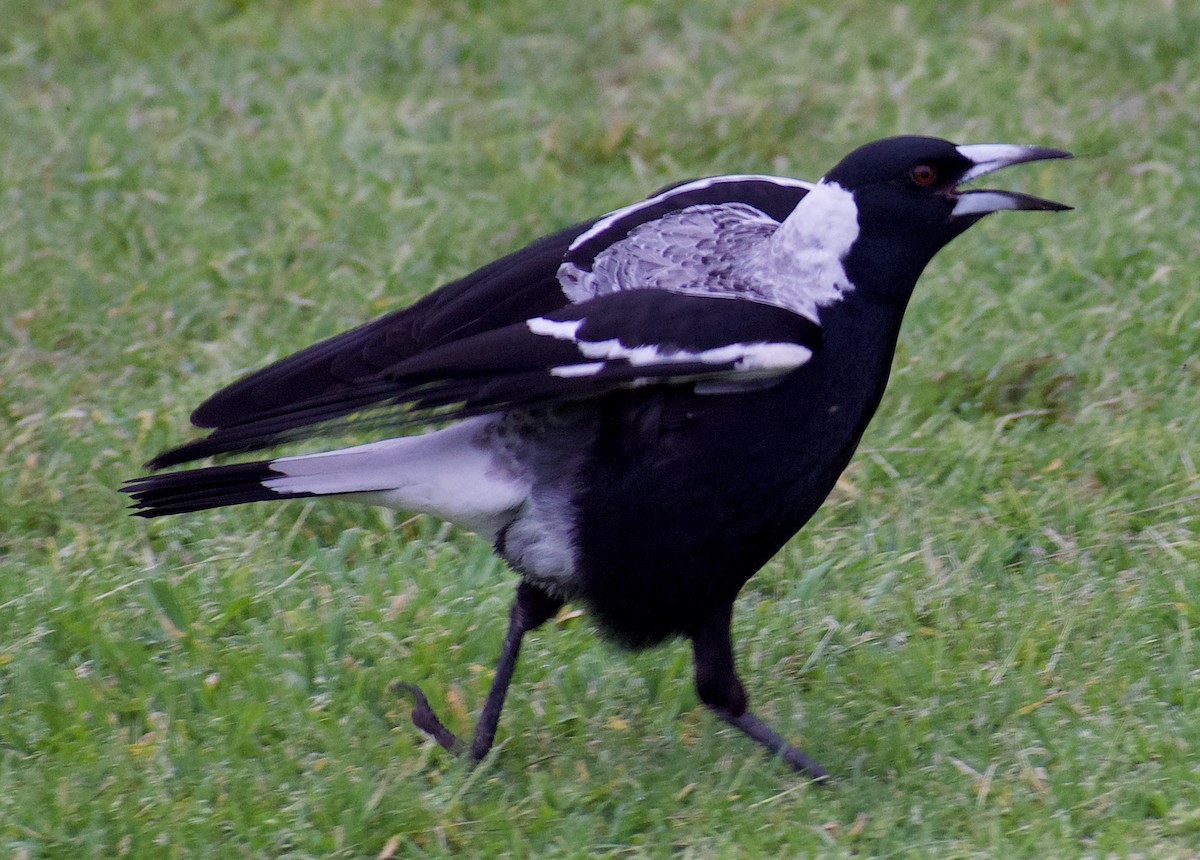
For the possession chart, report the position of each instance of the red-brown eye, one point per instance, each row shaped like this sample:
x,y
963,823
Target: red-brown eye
x,y
923,174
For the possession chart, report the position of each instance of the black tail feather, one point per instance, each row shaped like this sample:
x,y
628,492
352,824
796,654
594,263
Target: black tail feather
x,y
201,489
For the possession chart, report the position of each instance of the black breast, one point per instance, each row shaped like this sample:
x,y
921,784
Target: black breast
x,y
687,495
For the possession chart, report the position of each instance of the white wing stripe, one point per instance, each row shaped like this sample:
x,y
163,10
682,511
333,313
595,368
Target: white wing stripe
x,y
573,371
557,329
758,356
772,356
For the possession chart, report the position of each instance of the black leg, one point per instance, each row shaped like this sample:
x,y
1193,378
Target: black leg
x,y
719,689
531,608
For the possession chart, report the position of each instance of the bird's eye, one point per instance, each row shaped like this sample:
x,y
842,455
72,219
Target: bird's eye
x,y
923,174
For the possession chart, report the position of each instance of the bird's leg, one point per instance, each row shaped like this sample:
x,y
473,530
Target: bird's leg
x,y
719,688
531,608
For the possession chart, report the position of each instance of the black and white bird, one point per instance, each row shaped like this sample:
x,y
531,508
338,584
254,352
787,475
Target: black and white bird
x,y
637,411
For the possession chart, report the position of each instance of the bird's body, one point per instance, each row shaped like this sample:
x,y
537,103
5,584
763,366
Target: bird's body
x,y
647,405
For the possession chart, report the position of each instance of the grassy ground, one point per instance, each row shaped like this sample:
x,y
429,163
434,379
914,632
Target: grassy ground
x,y
990,631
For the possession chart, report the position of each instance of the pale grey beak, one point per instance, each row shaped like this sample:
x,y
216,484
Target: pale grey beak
x,y
988,157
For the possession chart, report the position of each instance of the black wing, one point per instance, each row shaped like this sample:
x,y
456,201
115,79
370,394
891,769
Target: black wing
x,y
619,340
514,288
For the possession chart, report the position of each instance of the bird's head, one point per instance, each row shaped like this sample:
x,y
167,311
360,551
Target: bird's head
x,y
909,200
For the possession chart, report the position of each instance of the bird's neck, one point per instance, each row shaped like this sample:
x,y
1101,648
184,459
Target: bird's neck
x,y
803,260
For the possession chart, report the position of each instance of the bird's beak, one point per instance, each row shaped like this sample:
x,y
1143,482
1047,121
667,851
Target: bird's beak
x,y
988,157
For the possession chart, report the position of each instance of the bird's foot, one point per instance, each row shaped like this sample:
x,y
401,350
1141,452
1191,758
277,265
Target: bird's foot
x,y
426,720
792,756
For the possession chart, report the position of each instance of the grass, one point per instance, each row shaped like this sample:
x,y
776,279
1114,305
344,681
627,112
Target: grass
x,y
990,631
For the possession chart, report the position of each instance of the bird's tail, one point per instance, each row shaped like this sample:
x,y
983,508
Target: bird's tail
x,y
201,489
451,472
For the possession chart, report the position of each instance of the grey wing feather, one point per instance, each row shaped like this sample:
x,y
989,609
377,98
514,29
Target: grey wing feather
x,y
695,250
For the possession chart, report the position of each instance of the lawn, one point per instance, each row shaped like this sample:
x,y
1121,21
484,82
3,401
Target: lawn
x,y
989,632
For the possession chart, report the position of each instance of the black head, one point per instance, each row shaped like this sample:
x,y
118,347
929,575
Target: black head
x,y
906,191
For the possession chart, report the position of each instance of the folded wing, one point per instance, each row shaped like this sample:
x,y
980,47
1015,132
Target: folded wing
x,y
386,362
581,351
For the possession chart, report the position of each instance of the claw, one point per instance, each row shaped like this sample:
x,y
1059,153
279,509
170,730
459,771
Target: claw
x,y
426,720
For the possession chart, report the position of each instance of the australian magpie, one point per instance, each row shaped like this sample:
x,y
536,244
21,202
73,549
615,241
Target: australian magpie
x,y
637,411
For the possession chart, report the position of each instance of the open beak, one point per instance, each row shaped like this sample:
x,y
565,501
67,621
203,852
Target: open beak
x,y
988,157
